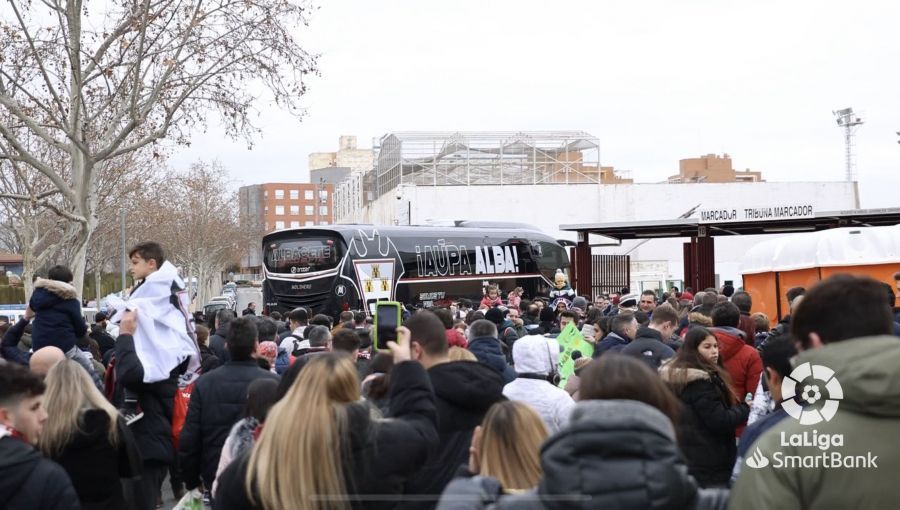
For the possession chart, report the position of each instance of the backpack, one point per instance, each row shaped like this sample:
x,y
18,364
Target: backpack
x,y
296,342
180,410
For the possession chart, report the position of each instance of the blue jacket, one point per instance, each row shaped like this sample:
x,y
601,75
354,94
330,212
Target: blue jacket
x,y
612,342
488,351
57,315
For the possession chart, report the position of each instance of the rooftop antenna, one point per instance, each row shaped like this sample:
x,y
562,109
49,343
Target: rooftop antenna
x,y
848,121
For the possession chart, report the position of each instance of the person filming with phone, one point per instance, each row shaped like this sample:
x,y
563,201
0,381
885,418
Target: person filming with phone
x,y
322,448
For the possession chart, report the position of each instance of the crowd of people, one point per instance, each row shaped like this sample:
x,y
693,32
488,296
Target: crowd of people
x,y
467,409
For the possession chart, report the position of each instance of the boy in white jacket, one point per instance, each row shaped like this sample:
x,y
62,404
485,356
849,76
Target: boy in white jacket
x,y
165,338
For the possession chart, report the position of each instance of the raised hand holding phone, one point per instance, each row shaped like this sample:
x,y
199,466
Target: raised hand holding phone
x,y
400,348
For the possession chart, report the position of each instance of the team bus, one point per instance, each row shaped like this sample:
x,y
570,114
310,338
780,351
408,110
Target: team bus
x,y
351,267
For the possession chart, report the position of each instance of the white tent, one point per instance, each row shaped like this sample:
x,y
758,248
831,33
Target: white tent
x,y
851,246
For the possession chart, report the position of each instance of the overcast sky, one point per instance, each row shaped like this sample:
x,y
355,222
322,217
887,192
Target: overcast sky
x,y
655,81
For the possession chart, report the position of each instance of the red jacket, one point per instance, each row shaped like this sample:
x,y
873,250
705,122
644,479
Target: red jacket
x,y
741,361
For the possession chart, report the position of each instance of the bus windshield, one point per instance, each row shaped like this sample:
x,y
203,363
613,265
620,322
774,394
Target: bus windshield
x,y
302,255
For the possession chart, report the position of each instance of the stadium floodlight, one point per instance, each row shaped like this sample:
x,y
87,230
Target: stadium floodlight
x,y
847,120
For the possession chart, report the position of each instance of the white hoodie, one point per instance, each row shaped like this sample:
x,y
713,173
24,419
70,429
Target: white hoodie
x,y
535,354
162,340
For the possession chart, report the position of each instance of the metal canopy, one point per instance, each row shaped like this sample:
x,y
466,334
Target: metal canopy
x,y
691,227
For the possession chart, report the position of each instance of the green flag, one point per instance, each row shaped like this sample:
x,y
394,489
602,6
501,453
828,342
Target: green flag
x,y
570,340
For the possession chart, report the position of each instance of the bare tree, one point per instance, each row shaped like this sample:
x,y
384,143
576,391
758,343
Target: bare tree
x,y
197,225
151,69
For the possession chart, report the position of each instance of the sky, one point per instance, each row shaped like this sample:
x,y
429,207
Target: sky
x,y
654,81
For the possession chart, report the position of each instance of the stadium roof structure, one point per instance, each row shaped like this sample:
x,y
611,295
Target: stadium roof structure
x,y
693,227
466,158
699,253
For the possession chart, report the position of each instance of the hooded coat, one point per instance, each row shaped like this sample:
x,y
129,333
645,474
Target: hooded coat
x,y
216,404
385,453
535,358
742,362
95,466
648,346
57,315
31,482
464,391
612,342
707,423
615,454
489,351
868,418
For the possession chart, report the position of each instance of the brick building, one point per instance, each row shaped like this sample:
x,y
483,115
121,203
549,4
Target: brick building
x,y
712,168
276,205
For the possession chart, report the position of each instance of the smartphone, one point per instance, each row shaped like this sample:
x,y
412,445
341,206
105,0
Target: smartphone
x,y
387,320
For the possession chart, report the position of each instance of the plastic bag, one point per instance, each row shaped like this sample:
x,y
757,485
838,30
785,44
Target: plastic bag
x,y
192,500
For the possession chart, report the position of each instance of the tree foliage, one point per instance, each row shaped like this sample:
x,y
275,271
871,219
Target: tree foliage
x,y
89,87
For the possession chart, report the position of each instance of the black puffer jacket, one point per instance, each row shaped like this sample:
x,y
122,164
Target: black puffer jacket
x,y
216,404
648,346
614,454
31,482
105,342
153,432
465,390
708,421
384,453
96,466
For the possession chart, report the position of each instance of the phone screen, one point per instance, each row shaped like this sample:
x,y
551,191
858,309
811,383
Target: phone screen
x,y
386,318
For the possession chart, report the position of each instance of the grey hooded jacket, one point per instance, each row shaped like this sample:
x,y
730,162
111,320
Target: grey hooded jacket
x,y
614,454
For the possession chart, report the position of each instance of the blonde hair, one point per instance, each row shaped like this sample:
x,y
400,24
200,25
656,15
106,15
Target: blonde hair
x,y
298,460
457,353
71,392
510,451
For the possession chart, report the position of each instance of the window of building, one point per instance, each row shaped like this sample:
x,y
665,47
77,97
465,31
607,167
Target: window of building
x,y
323,223
279,194
295,224
266,225
295,210
295,194
323,210
279,210
308,210
323,195
266,193
279,224
308,194
310,223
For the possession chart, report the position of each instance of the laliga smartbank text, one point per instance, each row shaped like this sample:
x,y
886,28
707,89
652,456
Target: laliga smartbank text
x,y
827,458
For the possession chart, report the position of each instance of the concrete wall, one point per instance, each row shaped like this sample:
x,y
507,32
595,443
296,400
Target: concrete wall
x,y
549,206
333,175
347,155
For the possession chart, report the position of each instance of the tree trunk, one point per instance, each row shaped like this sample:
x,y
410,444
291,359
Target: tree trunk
x,y
28,276
98,281
79,257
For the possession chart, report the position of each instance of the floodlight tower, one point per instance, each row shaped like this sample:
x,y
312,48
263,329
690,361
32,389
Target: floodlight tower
x,y
849,121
